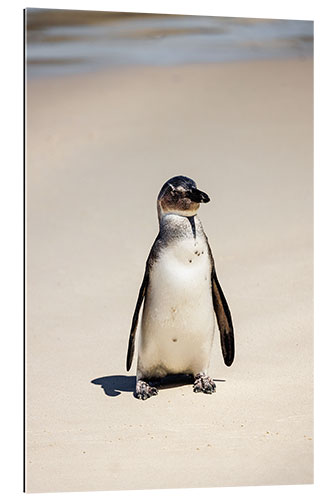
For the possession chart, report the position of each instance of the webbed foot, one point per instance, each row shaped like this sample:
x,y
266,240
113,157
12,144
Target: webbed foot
x,y
204,383
144,391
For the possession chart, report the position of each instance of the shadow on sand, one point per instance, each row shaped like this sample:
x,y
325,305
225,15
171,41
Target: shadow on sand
x,y
114,385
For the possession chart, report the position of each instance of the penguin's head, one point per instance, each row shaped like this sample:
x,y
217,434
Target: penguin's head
x,y
179,195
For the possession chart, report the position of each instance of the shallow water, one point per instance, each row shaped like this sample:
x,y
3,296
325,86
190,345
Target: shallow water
x,y
62,42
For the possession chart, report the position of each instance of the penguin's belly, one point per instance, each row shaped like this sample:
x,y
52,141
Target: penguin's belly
x,y
178,318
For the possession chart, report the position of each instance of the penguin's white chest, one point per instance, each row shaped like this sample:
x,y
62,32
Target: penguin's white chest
x,y
178,318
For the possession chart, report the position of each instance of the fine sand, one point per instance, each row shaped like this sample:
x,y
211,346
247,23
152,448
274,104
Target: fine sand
x,y
99,147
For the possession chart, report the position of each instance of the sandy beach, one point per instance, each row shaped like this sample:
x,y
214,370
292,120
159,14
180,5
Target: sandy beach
x,y
99,147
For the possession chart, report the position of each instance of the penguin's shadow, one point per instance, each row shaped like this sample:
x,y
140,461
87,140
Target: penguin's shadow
x,y
114,385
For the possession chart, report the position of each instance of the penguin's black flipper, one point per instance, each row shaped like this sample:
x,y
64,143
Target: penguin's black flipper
x,y
131,341
224,320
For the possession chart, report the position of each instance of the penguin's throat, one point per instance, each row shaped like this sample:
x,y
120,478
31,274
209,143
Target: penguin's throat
x,y
193,226
174,211
182,208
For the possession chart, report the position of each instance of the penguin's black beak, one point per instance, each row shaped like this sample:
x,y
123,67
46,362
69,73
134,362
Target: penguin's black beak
x,y
198,196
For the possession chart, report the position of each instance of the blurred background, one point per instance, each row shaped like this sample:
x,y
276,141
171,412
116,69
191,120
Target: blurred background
x,y
66,41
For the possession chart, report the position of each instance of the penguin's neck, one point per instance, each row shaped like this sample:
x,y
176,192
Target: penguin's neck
x,y
193,226
174,226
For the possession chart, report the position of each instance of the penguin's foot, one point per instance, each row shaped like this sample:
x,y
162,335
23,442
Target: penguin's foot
x,y
143,390
203,383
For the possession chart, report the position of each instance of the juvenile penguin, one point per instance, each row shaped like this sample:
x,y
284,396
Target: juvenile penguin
x,y
181,294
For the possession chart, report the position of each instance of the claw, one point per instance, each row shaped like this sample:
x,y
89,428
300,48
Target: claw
x,y
204,383
144,391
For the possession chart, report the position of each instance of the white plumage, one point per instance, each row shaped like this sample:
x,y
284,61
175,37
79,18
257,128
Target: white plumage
x,y
178,318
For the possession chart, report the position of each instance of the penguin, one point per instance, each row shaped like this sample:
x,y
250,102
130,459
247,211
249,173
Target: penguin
x,y
181,295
